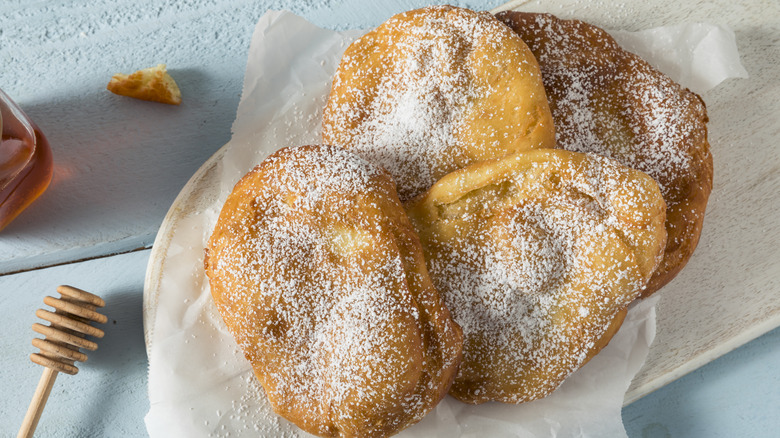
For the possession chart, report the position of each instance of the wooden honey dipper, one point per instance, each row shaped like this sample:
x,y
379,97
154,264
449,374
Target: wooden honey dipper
x,y
69,323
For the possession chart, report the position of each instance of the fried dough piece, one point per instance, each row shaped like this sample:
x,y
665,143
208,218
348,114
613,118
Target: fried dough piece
x,y
610,102
320,277
537,255
153,83
433,90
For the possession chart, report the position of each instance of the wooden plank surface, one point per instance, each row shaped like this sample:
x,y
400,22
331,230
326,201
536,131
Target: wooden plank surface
x,y
108,395
122,162
119,162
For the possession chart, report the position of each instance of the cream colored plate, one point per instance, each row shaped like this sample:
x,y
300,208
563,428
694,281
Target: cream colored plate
x,y
729,293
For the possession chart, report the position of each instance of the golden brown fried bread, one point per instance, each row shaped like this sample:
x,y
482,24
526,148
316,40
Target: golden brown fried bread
x,y
320,277
153,83
537,255
433,90
608,101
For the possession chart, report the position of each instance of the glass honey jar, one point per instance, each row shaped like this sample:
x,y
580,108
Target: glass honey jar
x,y
25,161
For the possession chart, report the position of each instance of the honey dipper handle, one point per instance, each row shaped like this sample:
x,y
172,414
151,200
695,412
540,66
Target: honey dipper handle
x,y
37,404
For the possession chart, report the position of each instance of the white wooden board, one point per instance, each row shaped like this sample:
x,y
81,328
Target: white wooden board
x,y
729,292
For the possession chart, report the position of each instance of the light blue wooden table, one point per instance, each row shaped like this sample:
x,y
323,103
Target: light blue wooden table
x,y
120,163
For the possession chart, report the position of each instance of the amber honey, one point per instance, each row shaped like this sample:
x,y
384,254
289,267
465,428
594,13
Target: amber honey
x,y
25,161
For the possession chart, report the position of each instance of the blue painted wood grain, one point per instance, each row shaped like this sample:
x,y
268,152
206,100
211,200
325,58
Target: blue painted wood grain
x,y
119,172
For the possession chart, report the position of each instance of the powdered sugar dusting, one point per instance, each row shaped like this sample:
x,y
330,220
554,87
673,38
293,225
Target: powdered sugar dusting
x,y
316,295
244,414
610,102
415,126
404,108
535,279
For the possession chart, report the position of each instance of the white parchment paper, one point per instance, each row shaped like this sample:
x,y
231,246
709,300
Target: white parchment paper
x,y
199,382
697,55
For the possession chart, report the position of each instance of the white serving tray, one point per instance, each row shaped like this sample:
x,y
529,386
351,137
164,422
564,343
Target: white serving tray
x,y
729,293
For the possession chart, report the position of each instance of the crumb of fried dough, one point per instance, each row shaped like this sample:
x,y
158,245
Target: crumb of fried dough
x,y
154,84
